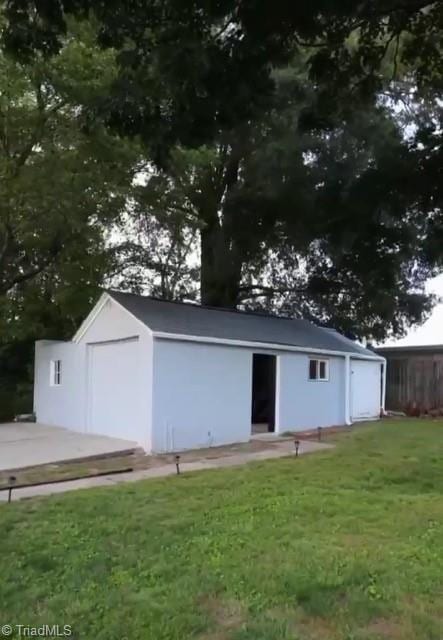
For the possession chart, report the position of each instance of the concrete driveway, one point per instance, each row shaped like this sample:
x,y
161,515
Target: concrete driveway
x,y
25,444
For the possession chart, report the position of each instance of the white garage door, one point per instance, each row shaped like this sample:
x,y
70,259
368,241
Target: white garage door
x,y
365,389
113,389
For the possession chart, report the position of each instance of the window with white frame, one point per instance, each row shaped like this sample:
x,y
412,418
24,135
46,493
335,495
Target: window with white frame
x,y
56,373
318,369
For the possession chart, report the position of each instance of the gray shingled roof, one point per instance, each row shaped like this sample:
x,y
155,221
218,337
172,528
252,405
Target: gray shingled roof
x,y
194,320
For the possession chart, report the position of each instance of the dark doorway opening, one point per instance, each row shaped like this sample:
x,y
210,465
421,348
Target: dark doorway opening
x,y
263,393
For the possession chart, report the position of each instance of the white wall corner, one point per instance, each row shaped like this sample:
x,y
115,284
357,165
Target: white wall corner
x,y
383,367
277,426
348,374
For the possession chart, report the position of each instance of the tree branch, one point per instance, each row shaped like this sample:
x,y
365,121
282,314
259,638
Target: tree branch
x,y
24,276
43,116
35,270
267,292
249,292
5,244
397,47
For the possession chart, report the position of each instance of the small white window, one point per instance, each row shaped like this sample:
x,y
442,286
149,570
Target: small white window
x,y
56,373
318,369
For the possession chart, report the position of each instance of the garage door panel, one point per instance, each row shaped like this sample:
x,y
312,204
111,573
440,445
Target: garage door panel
x,y
113,397
365,389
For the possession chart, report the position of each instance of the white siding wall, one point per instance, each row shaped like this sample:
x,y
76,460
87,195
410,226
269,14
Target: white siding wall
x,y
202,395
303,403
62,405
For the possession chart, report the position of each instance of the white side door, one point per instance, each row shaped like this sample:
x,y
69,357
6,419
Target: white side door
x,y
365,389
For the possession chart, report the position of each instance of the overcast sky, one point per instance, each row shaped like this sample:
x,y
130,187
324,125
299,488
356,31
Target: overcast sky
x,y
431,332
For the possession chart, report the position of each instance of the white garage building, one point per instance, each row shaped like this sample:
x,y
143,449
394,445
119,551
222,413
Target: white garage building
x,y
174,376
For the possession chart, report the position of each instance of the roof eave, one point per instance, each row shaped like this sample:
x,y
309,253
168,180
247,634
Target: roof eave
x,y
264,345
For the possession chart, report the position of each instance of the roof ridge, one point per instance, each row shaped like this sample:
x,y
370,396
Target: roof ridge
x,y
194,305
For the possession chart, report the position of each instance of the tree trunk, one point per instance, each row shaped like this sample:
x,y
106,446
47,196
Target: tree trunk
x,y
220,269
221,262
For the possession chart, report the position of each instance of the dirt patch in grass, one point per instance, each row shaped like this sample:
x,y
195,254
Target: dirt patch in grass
x,y
305,626
316,629
226,616
388,628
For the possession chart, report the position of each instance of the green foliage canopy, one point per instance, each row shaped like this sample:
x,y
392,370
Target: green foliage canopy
x,y
63,179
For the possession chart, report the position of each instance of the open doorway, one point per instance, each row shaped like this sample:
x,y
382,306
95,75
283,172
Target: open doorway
x,y
263,393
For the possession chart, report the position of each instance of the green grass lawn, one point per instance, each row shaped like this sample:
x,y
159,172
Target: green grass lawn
x,y
346,544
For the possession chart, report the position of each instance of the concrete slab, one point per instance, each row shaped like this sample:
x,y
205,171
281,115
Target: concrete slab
x,y
27,444
283,449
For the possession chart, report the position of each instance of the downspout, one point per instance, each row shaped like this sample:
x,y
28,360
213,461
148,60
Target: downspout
x,y
383,387
348,389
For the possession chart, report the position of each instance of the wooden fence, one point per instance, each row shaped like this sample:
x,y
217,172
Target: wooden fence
x,y
414,380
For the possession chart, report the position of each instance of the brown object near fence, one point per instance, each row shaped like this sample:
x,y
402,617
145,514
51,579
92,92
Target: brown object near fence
x,y
414,381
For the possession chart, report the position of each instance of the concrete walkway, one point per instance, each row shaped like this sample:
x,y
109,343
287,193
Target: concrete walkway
x,y
28,444
280,450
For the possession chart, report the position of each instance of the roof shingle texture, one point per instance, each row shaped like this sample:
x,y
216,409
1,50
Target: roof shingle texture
x,y
194,320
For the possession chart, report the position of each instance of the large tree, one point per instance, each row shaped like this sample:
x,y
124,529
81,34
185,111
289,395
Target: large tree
x,y
320,220
189,68
202,76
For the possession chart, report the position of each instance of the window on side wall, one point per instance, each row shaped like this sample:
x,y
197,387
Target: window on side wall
x,y
56,373
318,369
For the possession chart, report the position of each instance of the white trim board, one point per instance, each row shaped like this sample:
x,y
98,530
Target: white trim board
x,y
160,335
